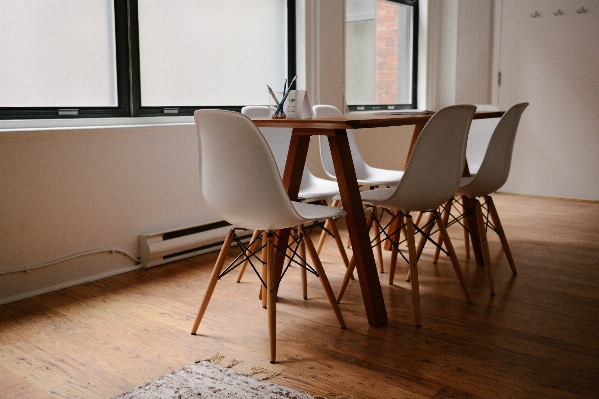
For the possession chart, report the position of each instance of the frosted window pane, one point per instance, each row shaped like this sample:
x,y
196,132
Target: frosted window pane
x,y
378,52
57,53
211,52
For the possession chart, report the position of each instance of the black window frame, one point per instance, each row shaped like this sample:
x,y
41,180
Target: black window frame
x,y
128,75
414,99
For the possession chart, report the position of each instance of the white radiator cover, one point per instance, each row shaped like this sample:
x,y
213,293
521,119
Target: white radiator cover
x,y
165,246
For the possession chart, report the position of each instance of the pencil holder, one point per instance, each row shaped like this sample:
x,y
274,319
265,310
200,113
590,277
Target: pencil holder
x,y
274,100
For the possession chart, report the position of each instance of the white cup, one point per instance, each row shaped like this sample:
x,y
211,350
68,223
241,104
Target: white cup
x,y
291,107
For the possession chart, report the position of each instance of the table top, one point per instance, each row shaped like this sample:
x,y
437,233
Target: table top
x,y
360,120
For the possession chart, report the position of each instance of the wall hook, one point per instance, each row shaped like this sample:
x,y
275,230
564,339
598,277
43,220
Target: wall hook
x,y
582,10
558,12
535,14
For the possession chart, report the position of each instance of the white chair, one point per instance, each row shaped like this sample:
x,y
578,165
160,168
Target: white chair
x,y
481,131
432,175
311,189
491,176
241,183
366,174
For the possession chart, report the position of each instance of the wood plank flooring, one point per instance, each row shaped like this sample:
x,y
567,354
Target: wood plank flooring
x,y
537,338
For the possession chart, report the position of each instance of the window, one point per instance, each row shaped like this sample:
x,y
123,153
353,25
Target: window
x,y
381,54
60,57
73,58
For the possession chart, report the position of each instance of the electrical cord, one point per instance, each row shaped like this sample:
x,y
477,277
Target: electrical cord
x,y
52,262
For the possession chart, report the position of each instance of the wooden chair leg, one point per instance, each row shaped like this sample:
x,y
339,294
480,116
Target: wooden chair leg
x,y
352,263
482,234
501,233
418,219
339,243
467,243
323,279
323,233
466,234
427,230
264,270
251,249
303,273
379,247
405,233
392,226
394,249
413,269
218,267
445,219
454,259
290,240
271,296
348,273
332,227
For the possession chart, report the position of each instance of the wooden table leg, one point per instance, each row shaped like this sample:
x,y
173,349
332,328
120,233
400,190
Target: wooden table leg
x,y
372,294
471,222
472,225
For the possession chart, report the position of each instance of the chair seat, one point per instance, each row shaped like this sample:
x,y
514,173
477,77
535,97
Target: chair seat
x,y
381,177
375,197
464,181
312,212
468,186
316,188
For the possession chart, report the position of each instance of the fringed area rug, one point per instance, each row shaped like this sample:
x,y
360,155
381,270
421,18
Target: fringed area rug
x,y
206,380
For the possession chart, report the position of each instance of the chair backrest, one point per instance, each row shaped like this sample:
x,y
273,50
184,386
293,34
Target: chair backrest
x,y
495,168
238,174
278,139
325,152
480,134
437,161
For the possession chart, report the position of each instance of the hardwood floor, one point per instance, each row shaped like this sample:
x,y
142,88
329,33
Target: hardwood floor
x,y
538,337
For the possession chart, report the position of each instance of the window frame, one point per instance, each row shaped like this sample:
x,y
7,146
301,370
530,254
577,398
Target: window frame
x,y
414,99
128,75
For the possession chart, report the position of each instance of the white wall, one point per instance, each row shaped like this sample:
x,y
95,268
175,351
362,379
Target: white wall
x,y
65,191
553,63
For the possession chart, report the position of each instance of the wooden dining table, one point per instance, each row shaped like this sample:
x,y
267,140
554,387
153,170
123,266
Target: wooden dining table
x,y
335,128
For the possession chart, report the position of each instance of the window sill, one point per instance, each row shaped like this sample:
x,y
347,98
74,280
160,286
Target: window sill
x,y
78,123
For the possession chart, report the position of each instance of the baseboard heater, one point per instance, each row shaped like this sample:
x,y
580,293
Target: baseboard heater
x,y
161,247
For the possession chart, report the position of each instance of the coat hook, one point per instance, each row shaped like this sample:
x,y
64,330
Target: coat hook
x,y
536,14
582,10
558,12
